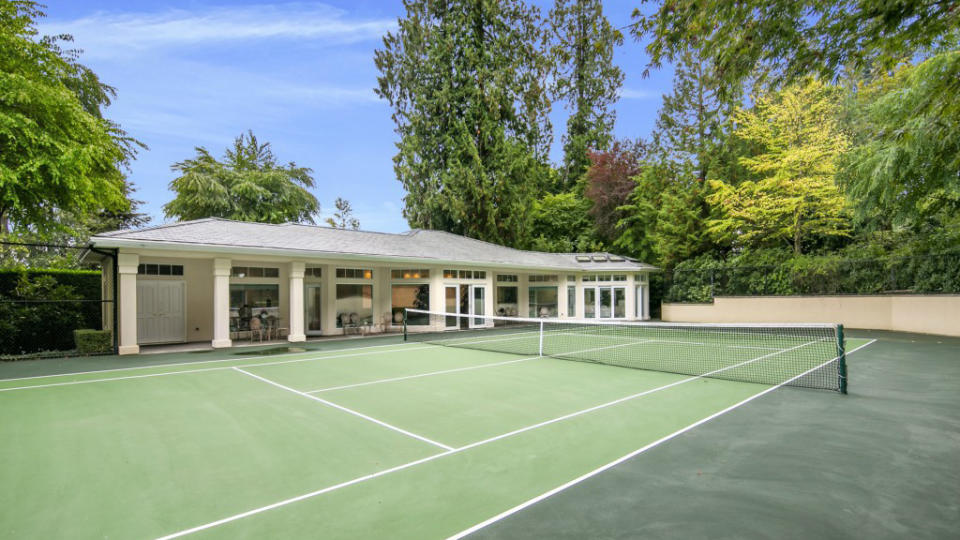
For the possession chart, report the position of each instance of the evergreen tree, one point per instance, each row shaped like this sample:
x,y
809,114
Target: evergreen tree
x,y
586,79
248,185
343,217
465,80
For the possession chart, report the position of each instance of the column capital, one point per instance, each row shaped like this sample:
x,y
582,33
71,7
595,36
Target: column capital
x,y
127,263
296,269
221,267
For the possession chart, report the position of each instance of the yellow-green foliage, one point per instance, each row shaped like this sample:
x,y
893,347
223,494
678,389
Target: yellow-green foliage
x,y
796,196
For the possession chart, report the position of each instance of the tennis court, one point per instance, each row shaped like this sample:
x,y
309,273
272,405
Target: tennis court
x,y
431,438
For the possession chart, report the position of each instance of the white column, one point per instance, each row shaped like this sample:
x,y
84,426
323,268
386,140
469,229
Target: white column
x,y
296,302
646,297
562,285
127,269
631,297
221,303
523,296
328,312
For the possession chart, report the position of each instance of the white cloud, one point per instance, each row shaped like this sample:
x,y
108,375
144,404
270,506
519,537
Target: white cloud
x,y
631,93
106,34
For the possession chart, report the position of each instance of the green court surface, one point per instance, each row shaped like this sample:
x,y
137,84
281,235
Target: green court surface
x,y
409,441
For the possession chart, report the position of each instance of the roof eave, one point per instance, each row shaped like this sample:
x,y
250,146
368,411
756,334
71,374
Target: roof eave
x,y
114,242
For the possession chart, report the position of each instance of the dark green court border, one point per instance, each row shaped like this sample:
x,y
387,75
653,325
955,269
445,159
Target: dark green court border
x,y
59,366
881,462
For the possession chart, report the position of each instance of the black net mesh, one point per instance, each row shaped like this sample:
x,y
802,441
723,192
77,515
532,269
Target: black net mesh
x,y
806,355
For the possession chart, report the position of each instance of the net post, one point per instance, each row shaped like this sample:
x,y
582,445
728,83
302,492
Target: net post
x,y
841,361
541,339
404,324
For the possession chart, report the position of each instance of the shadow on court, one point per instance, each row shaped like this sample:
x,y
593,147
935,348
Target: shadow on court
x,y
881,462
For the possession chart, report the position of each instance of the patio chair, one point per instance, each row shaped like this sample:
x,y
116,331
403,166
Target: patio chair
x,y
256,329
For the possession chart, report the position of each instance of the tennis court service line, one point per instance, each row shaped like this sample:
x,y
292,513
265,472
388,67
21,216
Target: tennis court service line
x,y
347,410
202,370
468,368
457,450
637,452
419,375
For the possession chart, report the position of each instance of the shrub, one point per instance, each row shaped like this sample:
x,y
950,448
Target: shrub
x,y
93,341
40,309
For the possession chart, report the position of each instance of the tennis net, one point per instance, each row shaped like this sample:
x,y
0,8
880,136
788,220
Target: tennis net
x,y
805,355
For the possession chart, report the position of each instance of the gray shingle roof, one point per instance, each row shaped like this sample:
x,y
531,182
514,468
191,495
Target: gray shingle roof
x,y
437,246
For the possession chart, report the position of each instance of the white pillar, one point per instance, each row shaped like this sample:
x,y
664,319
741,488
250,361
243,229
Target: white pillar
x,y
221,303
562,285
127,269
296,302
630,309
523,296
581,309
328,312
646,297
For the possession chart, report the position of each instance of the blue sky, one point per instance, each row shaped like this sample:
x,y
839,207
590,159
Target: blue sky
x,y
300,75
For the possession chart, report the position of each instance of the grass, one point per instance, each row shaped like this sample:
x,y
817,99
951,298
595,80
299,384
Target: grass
x,y
410,441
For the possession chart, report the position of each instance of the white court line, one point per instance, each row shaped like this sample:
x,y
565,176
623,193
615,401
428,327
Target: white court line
x,y
201,370
635,453
417,376
201,362
346,410
468,368
328,489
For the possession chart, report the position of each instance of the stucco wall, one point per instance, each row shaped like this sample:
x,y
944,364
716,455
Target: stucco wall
x,y
927,314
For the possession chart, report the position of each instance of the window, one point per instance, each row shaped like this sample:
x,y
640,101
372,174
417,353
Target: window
x,y
312,271
571,301
413,297
410,274
160,269
254,271
354,273
249,301
605,277
539,278
507,305
543,301
571,278
508,278
354,304
465,274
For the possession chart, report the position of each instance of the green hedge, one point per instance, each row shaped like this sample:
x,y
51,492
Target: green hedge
x,y
778,273
93,341
40,309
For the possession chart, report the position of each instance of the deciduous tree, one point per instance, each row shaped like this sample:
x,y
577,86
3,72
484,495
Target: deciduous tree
x,y
797,197
58,154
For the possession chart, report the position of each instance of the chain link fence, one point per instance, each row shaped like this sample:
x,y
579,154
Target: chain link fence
x,y
45,296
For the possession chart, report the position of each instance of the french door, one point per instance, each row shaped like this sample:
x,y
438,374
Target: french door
x,y
311,308
605,302
465,300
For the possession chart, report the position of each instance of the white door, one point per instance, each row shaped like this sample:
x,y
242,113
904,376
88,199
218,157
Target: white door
x,y
312,309
452,304
161,311
478,297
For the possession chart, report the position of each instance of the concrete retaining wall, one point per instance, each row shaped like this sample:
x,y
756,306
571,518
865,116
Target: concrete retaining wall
x,y
926,314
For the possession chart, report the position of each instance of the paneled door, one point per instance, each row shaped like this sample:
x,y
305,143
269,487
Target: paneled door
x,y
161,311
